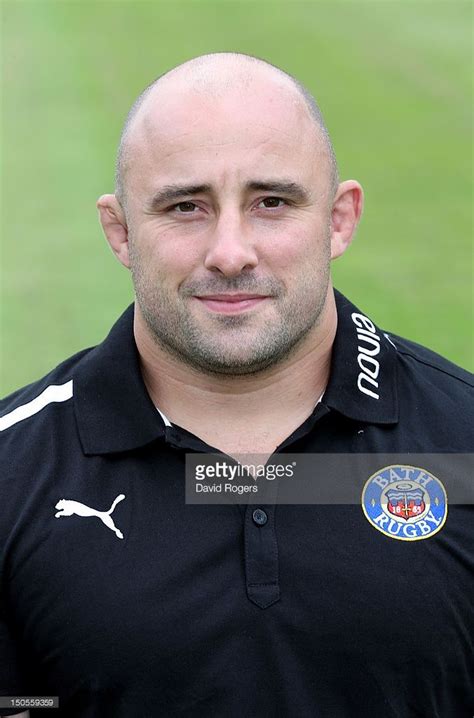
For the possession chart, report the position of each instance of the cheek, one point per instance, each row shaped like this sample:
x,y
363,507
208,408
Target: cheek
x,y
164,255
300,251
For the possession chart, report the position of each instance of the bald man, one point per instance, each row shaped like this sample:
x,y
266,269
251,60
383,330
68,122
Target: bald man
x,y
122,593
226,150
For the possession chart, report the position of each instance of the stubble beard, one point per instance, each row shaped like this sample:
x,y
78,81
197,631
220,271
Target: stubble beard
x,y
233,345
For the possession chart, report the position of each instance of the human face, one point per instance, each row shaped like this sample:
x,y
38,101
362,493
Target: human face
x,y
229,229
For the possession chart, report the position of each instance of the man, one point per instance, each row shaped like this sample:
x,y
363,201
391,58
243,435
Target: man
x,y
123,599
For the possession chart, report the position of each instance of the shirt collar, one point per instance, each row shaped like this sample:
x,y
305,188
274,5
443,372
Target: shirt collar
x,y
114,411
363,382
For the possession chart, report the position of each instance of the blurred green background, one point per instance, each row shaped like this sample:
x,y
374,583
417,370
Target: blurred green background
x,y
394,83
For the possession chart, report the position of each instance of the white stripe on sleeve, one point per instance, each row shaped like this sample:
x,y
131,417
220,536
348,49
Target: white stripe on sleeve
x,y
53,393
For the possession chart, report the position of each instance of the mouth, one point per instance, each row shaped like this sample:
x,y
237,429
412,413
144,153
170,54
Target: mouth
x,y
231,303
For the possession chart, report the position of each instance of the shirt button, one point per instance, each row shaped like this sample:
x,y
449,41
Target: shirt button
x,y
260,517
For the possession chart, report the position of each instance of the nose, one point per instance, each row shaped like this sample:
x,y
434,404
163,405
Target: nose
x,y
230,249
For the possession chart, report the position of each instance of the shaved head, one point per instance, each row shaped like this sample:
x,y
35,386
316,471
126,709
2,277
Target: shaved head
x,y
228,212
215,76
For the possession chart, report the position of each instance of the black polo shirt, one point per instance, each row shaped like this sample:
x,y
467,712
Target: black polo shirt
x,y
125,601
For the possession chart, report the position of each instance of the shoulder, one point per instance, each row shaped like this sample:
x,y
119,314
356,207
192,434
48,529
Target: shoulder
x,y
427,366
38,431
435,398
57,388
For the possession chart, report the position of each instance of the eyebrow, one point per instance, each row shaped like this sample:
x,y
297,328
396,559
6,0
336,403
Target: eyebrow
x,y
173,192
286,187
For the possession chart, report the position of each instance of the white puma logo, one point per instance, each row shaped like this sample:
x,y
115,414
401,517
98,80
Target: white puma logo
x,y
68,508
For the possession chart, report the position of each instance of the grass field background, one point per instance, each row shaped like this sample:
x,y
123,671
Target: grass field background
x,y
393,80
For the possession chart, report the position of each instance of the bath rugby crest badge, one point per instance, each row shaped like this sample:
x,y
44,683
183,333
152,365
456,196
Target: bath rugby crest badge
x,y
405,502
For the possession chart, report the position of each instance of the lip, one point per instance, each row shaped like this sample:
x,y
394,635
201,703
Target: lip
x,y
231,303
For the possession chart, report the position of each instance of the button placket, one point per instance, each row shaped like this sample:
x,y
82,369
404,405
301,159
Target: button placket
x,y
261,556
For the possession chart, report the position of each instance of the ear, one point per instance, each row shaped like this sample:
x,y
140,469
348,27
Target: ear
x,y
346,212
114,223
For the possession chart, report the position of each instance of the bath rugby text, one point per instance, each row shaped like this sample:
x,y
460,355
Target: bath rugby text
x,y
390,525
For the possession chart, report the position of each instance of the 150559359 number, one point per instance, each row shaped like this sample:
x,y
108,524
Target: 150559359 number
x,y
25,702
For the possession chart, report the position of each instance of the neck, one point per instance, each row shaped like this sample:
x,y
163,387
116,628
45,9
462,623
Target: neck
x,y
269,404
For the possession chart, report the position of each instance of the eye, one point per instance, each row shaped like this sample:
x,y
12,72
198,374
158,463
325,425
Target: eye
x,y
271,202
184,207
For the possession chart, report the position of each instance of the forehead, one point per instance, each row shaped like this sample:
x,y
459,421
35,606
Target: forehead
x,y
226,134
